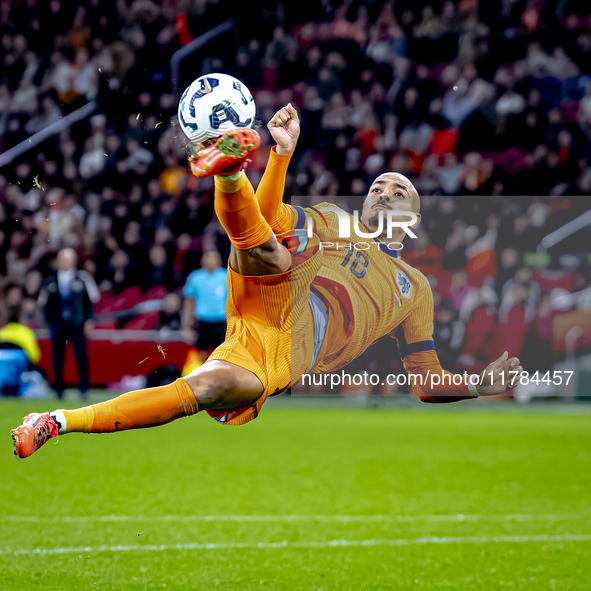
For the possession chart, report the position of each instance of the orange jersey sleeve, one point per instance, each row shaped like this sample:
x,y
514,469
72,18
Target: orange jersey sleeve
x,y
429,381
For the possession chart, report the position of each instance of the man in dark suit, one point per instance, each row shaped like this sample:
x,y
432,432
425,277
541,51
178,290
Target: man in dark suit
x,y
67,299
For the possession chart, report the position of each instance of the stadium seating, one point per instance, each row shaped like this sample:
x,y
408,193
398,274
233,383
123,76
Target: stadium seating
x,y
460,123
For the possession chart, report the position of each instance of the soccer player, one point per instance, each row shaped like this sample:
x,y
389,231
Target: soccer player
x,y
296,304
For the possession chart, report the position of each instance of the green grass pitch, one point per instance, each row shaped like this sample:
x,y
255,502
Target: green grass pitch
x,y
304,499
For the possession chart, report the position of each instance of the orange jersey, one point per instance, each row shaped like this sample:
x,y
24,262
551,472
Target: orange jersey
x,y
368,290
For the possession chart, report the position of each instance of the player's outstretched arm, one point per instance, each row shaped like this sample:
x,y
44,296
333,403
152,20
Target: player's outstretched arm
x,y
429,381
500,376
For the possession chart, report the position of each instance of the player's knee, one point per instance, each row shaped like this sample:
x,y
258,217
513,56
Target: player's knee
x,y
267,259
207,396
268,255
222,385
209,393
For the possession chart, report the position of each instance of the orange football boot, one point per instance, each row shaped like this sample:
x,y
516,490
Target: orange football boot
x,y
36,430
227,155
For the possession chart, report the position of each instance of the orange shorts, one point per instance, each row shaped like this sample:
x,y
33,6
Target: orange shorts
x,y
270,329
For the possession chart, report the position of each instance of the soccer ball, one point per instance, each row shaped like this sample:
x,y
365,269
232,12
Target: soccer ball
x,y
214,104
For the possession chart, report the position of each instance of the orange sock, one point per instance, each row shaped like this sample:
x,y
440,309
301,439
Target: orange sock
x,y
270,193
134,410
239,213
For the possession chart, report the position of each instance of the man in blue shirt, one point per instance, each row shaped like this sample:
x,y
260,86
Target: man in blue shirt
x,y
205,294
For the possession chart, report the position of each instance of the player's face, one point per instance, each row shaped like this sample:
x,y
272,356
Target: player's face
x,y
389,191
211,261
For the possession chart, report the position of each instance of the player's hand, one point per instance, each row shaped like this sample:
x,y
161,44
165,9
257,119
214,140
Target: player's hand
x,y
285,129
506,373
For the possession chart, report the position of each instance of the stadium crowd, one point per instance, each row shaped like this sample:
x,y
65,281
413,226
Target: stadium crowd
x,y
467,99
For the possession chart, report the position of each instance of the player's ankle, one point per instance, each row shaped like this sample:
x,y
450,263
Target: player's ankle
x,y
78,420
59,417
231,177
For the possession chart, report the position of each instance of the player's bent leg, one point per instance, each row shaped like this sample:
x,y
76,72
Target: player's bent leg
x,y
255,250
270,258
215,385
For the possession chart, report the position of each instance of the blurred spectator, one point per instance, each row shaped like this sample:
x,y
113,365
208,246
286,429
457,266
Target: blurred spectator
x,y
448,333
204,310
170,313
117,274
424,255
159,273
67,299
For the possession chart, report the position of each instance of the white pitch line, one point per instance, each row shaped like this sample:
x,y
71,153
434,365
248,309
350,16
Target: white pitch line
x,y
295,545
288,518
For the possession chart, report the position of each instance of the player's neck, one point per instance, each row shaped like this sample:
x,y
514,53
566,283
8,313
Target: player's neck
x,y
397,236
